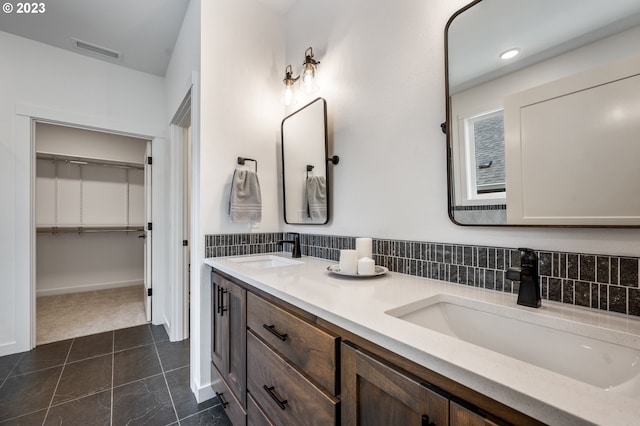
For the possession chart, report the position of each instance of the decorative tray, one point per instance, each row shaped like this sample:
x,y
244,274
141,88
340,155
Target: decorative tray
x,y
335,269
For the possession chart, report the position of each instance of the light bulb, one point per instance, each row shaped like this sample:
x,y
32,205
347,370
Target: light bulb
x,y
309,82
289,95
308,79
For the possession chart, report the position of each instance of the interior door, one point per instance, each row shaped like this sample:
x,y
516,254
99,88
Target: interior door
x,y
147,233
186,225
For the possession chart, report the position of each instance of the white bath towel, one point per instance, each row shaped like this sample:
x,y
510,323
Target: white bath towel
x,y
245,200
316,196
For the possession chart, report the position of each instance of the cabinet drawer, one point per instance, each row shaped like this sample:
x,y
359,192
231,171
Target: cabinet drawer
x,y
229,402
255,415
284,394
310,348
462,416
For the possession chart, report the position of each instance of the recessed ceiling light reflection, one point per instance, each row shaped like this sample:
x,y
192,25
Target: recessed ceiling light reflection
x,y
508,54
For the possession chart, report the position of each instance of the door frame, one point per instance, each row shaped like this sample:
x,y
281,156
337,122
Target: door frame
x,y
26,117
195,309
148,233
182,214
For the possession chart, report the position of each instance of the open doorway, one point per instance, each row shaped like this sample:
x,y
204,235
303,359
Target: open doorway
x,y
92,210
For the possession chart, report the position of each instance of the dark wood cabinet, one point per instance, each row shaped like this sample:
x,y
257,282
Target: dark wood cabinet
x,y
267,354
462,416
376,393
310,348
283,392
255,415
229,339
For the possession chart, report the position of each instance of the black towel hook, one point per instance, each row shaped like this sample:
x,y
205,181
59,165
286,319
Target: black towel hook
x,y
333,160
241,161
309,168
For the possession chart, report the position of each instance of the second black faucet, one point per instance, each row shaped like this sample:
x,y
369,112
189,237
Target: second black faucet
x,y
527,274
296,252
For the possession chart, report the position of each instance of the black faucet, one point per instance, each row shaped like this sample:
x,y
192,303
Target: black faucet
x,y
527,274
296,252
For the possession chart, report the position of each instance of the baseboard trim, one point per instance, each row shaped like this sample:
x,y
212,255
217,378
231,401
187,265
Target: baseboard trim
x,y
203,392
88,287
9,348
167,327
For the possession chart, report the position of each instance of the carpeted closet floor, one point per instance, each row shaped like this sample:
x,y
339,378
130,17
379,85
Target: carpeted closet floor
x,y
80,314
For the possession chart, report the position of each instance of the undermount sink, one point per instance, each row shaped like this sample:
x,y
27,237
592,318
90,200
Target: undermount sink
x,y
265,261
561,346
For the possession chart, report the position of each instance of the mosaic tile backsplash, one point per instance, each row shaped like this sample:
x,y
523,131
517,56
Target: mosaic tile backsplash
x,y
608,283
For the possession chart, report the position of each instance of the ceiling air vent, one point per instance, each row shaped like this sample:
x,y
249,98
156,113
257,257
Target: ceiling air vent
x,y
88,47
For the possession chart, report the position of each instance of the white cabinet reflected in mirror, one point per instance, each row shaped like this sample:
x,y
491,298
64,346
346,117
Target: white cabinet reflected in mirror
x,y
548,136
305,165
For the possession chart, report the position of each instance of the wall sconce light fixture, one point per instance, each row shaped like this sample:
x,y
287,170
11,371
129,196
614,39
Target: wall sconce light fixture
x,y
289,96
309,68
308,76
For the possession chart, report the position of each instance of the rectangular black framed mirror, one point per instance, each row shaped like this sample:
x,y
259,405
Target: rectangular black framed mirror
x,y
305,178
548,135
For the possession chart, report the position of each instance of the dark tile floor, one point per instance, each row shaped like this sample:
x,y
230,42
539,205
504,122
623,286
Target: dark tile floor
x,y
133,376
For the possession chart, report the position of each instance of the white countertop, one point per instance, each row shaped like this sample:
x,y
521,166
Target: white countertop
x,y
359,306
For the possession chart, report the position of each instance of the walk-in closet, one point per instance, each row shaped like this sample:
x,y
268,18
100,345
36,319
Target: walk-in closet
x,y
91,209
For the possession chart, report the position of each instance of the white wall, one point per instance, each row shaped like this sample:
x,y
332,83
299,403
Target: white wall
x,y
61,140
182,76
242,57
71,263
40,80
185,59
382,71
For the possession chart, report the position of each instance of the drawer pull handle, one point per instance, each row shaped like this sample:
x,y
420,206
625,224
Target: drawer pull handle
x,y
274,397
426,422
271,329
221,307
222,401
219,304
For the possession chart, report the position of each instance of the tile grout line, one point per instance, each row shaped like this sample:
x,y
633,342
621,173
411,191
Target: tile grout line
x,y
164,376
58,382
137,380
12,370
113,367
202,411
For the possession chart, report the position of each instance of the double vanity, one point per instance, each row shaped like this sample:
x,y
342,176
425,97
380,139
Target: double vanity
x,y
296,343
293,341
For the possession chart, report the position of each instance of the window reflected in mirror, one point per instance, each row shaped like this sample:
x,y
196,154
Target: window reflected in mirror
x,y
529,141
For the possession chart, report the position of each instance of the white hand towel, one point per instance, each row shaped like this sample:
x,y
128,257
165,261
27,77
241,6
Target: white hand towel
x,y
316,194
245,200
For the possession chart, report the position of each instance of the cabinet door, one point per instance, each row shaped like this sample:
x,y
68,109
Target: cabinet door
x,y
219,326
376,393
229,339
229,403
236,303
